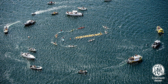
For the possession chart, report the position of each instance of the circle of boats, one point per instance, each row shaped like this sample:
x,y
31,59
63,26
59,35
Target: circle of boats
x,y
133,59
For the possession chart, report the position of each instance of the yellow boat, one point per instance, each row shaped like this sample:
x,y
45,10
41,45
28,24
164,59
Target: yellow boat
x,y
90,35
159,30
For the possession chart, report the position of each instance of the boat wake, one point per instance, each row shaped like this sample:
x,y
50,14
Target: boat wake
x,y
7,76
9,54
10,24
50,9
119,65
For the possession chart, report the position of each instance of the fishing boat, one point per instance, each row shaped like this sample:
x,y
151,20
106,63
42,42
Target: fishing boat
x,y
36,67
5,30
50,3
30,22
91,40
54,13
32,49
82,8
159,30
81,27
135,58
82,72
156,44
74,13
27,55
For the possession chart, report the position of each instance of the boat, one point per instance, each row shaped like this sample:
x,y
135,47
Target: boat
x,y
62,39
81,27
74,13
30,22
36,67
71,46
27,55
107,0
156,44
105,27
33,14
159,30
82,72
91,40
54,43
105,32
50,3
82,8
5,29
135,58
32,49
54,13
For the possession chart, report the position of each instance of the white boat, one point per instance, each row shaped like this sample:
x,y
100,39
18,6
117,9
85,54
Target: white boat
x,y
91,40
82,71
54,43
5,29
32,49
29,22
33,13
27,55
36,67
156,44
135,58
71,46
50,3
82,8
105,32
74,13
105,27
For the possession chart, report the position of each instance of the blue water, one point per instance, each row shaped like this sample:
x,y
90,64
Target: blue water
x,y
132,30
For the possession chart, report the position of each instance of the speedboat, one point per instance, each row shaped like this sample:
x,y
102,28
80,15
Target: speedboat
x,y
71,46
106,0
91,40
54,43
36,67
82,8
105,27
54,13
135,58
81,27
32,49
27,55
159,30
50,3
5,29
29,22
82,72
74,13
156,44
33,13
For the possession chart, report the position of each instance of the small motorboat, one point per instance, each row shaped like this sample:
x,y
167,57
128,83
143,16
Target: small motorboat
x,y
54,13
82,72
105,32
159,30
29,22
32,49
82,8
107,0
36,67
27,55
71,46
105,27
91,40
81,27
156,44
133,59
50,3
6,30
33,14
74,13
54,43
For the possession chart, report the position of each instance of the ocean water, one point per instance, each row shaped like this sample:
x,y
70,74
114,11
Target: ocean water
x,y
132,30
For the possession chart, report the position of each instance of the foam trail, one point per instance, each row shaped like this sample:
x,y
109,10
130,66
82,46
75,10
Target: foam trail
x,y
119,65
10,24
50,9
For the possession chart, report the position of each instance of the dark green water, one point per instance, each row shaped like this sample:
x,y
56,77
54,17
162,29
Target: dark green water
x,y
132,30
